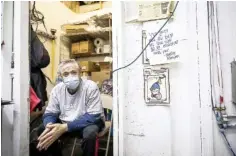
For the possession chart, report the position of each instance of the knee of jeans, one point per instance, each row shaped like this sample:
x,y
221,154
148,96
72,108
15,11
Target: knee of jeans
x,y
90,132
40,129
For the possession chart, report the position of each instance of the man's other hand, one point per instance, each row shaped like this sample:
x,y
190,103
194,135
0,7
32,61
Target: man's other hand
x,y
49,137
45,131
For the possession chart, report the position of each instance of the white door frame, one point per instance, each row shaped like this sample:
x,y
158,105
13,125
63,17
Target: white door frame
x,y
118,99
21,79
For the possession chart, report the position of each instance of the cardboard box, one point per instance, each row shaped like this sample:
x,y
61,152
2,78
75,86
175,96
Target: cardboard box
x,y
99,77
82,47
74,28
85,73
88,66
86,47
75,48
105,66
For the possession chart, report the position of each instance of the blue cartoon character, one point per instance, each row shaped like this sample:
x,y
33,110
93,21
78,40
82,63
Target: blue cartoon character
x,y
155,90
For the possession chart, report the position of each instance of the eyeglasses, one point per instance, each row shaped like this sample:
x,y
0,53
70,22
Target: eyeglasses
x,y
73,72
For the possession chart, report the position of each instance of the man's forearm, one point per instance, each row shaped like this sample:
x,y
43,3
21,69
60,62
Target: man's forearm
x,y
83,121
49,118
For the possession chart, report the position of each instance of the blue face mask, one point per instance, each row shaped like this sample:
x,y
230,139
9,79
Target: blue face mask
x,y
71,81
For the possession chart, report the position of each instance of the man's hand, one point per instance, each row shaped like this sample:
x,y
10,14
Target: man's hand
x,y
43,134
54,131
45,131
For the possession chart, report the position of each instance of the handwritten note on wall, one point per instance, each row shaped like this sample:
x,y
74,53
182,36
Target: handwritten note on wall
x,y
164,48
163,45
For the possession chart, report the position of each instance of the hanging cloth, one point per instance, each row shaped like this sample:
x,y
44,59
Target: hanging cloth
x,y
34,100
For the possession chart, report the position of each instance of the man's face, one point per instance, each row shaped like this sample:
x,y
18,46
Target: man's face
x,y
70,69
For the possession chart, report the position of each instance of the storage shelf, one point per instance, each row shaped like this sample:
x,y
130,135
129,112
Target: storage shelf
x,y
90,55
89,26
81,7
98,18
84,35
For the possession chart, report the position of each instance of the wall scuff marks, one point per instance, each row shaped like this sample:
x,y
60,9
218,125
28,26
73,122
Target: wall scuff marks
x,y
138,135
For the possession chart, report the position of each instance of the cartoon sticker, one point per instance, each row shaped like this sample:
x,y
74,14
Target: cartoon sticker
x,y
156,84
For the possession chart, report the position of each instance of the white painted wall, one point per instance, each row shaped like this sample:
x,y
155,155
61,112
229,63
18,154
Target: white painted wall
x,y
227,34
15,117
6,51
21,80
185,128
53,20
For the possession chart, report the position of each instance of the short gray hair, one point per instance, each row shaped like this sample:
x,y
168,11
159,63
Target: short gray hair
x,y
64,62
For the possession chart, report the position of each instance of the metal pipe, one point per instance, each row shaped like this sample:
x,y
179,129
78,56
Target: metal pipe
x,y
110,42
53,32
230,116
220,78
210,52
231,125
52,59
214,75
100,2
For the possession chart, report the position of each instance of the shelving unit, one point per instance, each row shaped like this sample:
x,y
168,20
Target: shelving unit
x,y
86,6
95,26
89,34
90,55
98,25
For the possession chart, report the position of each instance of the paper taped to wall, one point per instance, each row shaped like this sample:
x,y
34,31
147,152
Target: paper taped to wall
x,y
153,10
165,48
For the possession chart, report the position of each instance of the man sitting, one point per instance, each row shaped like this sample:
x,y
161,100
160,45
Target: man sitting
x,y
74,109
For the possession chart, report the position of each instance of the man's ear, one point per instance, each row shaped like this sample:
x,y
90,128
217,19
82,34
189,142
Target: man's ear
x,y
59,75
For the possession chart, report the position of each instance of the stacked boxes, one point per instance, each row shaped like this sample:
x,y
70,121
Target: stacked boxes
x,y
82,47
103,74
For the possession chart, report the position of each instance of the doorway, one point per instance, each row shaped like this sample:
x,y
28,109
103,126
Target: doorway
x,y
79,31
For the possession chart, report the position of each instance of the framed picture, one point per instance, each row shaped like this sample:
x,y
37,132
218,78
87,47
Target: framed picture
x,y
156,86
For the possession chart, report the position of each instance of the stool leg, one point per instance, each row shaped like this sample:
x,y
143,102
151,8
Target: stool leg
x,y
72,152
109,137
97,146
